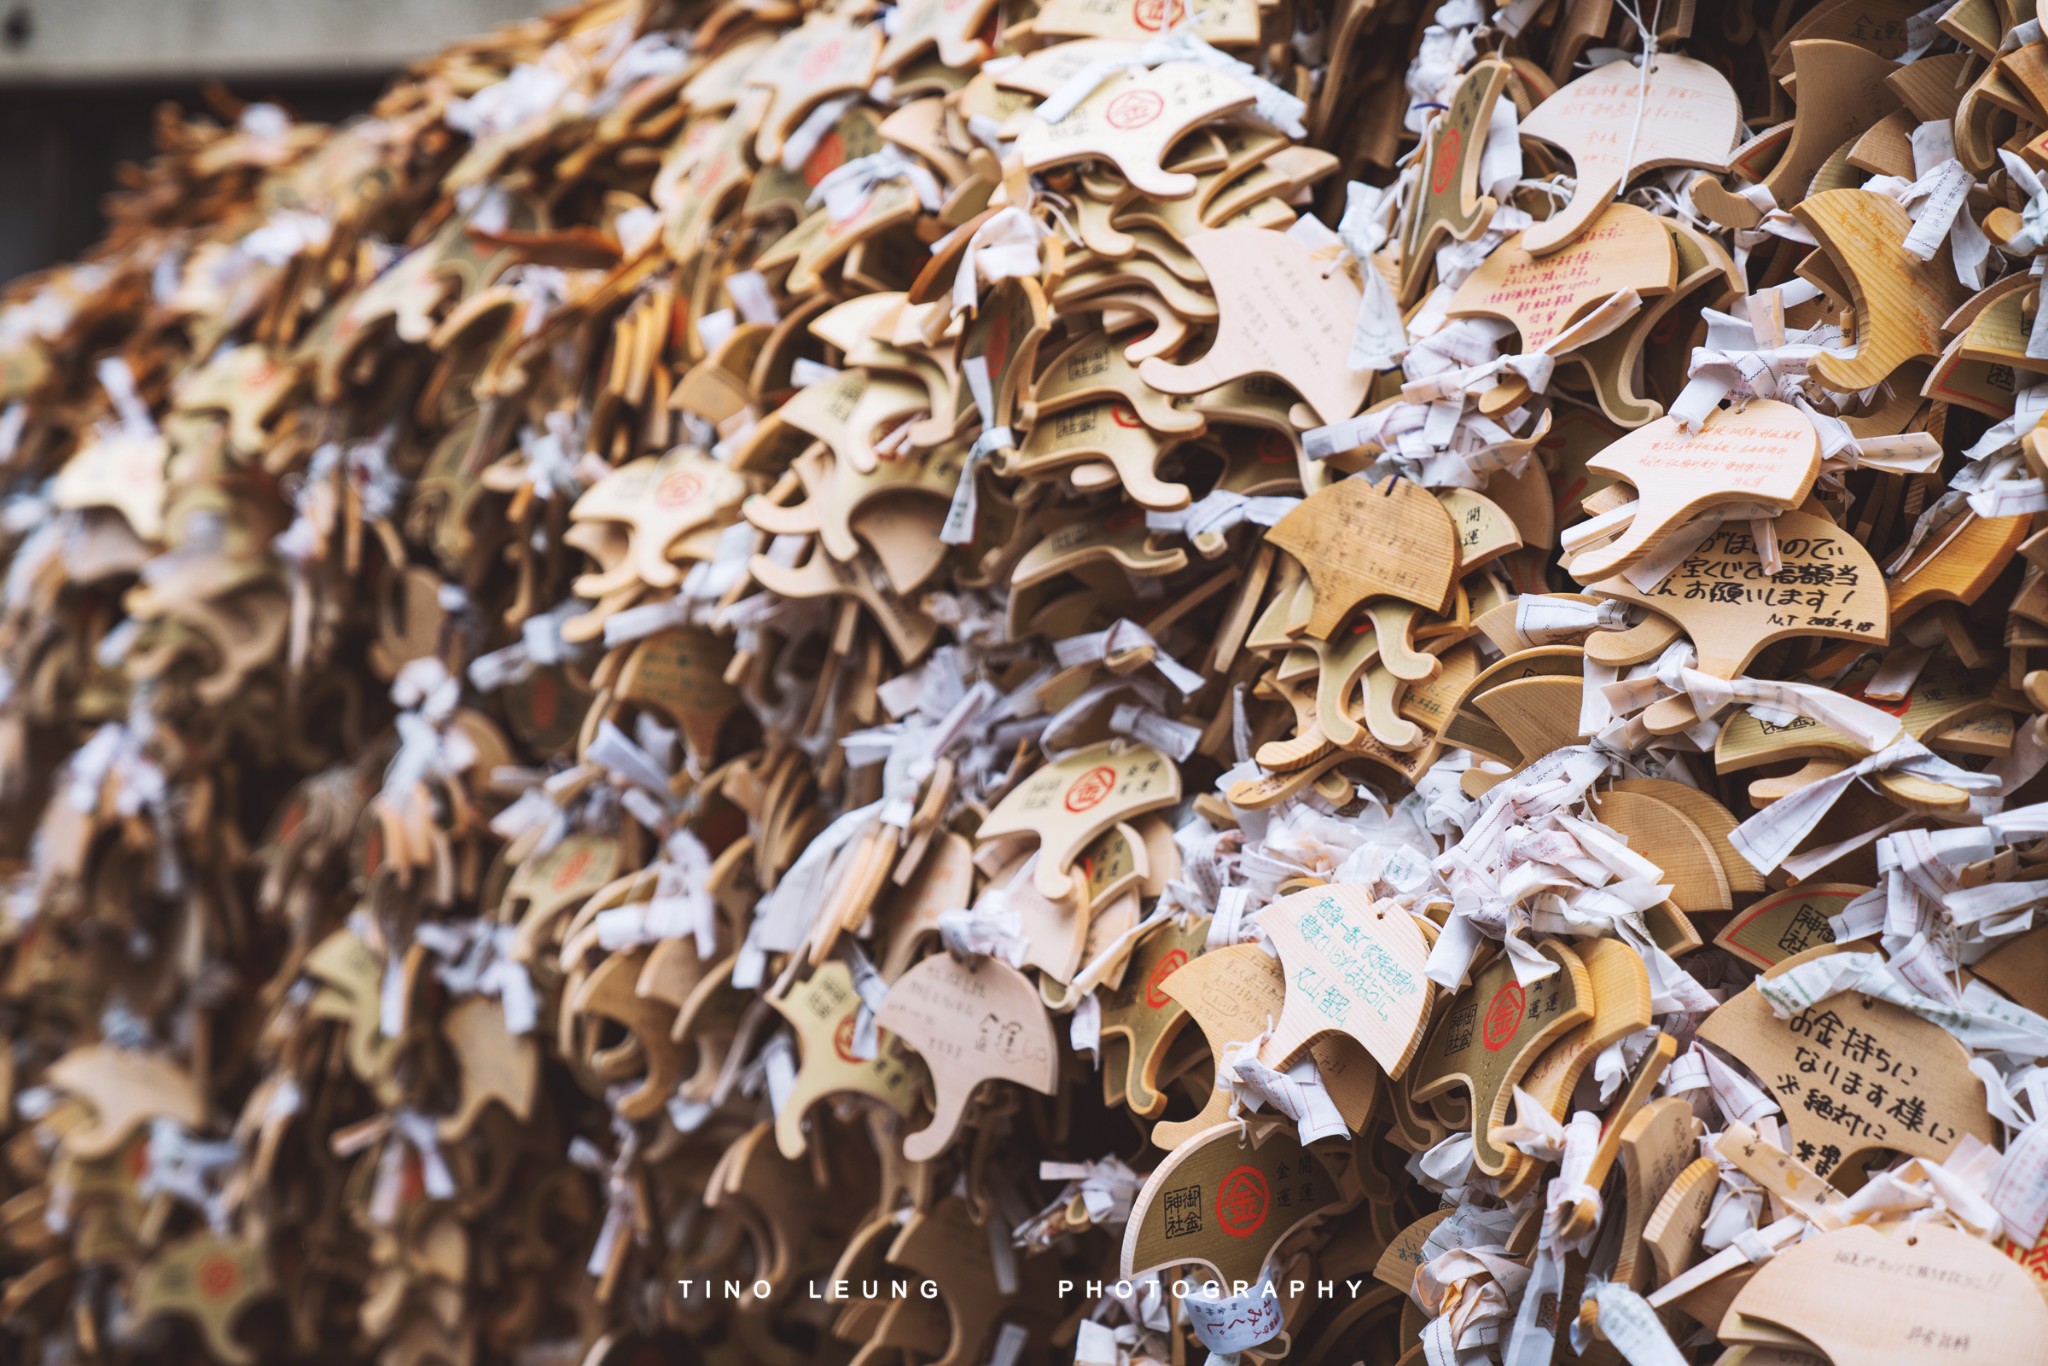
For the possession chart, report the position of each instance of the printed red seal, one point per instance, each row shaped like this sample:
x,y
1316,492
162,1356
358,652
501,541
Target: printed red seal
x,y
678,489
1154,15
1090,788
1503,1017
572,868
1155,985
1446,161
1134,109
842,1041
1125,415
821,59
543,700
217,1277
828,156
1241,1202
998,348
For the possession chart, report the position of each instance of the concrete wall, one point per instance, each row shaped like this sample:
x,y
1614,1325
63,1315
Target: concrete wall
x,y
80,78
46,41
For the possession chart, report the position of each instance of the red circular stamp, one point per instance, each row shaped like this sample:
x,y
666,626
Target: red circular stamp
x,y
679,488
1125,415
828,156
1155,985
1446,161
1154,15
217,1277
997,349
1090,788
543,700
572,868
842,1041
1134,109
1503,1017
822,59
1241,1202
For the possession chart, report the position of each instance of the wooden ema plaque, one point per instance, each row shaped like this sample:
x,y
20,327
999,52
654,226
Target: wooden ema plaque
x,y
1131,120
1765,452
1224,1202
1236,993
1786,923
1286,314
1069,804
1924,1295
209,1281
1617,120
970,1025
1492,1032
1447,202
1855,1076
1625,248
1140,1019
822,1012
1358,540
1657,1144
1353,967
1829,586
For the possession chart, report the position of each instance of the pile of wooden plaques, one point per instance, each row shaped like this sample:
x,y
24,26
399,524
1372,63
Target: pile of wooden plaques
x,y
1045,681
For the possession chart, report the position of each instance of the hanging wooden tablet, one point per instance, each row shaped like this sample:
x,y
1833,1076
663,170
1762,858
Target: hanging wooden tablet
x,y
970,1025
1142,1014
1492,1032
1353,966
1222,1201
1855,1076
1621,119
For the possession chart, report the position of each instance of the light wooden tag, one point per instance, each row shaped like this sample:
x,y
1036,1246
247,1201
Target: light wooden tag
x,y
1223,1203
1667,837
970,1025
822,1011
1862,1296
206,1279
1786,923
825,56
1901,302
951,26
1767,452
1855,1076
1357,540
1492,1032
2019,968
609,993
1624,248
121,470
496,1065
1731,609
1070,803
126,1089
1236,993
1657,1144
1227,23
1132,119
1616,122
1621,1007
1447,202
1141,1012
1287,313
1353,967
